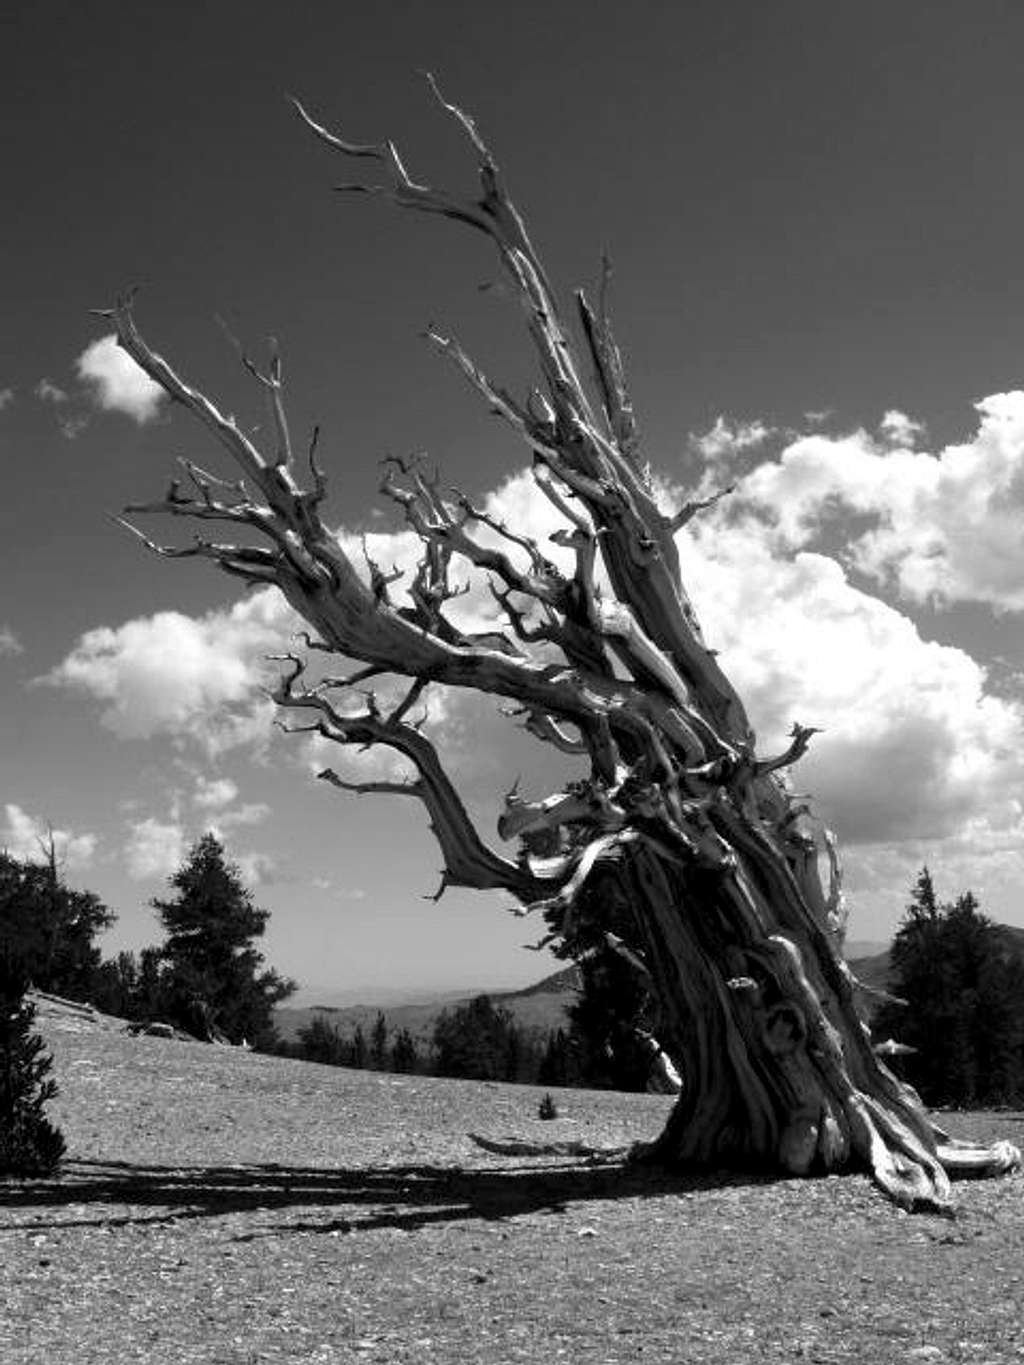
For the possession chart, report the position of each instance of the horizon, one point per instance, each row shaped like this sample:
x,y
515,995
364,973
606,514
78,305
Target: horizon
x,y
814,219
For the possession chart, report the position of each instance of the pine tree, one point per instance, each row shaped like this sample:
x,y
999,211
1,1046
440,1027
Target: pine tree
x,y
963,985
379,1043
358,1054
404,1054
321,1042
479,1041
560,1063
29,1144
49,927
212,978
612,1006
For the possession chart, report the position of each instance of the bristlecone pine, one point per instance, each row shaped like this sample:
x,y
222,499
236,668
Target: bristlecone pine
x,y
682,846
29,1144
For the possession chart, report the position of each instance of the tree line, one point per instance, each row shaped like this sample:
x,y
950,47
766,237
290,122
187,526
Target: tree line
x,y
207,977
957,1017
477,1040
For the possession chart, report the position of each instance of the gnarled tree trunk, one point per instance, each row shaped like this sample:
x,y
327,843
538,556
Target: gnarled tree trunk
x,y
683,848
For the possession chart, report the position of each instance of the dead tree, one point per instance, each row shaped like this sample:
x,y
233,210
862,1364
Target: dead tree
x,y
683,844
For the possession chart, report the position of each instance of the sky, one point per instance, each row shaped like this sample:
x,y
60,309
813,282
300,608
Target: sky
x,y
814,214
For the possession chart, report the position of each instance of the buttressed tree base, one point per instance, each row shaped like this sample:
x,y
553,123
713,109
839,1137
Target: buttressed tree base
x,y
683,847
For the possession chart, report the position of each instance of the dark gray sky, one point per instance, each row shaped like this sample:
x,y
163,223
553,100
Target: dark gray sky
x,y
810,208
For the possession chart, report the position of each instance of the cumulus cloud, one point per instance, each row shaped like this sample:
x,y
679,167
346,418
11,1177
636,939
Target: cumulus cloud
x,y
259,869
939,527
196,678
900,430
9,642
27,838
917,748
153,849
249,813
71,424
116,383
212,793
728,438
914,747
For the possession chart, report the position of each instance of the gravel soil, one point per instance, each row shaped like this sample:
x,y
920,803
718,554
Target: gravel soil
x,y
219,1206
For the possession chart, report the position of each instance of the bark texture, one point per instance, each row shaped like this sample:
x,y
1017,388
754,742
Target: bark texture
x,y
683,847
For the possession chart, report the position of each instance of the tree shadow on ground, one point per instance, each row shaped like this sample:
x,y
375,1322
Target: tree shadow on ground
x,y
361,1199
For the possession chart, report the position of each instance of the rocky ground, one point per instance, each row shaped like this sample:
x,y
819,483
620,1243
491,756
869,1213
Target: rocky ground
x,y
224,1207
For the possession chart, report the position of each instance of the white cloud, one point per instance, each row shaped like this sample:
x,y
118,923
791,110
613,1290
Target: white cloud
x,y
212,793
71,424
943,528
9,642
258,869
728,438
153,849
116,383
49,392
27,838
914,747
917,750
6,398
196,678
250,813
900,430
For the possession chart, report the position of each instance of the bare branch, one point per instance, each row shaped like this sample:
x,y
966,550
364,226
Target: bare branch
x,y
689,510
370,788
801,739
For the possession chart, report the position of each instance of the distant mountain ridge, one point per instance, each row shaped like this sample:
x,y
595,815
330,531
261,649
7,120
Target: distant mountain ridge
x,y
542,1007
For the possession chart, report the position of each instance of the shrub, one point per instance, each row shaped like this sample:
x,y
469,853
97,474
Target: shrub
x,y
29,1144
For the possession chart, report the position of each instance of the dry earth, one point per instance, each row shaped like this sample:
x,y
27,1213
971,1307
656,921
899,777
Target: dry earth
x,y
223,1207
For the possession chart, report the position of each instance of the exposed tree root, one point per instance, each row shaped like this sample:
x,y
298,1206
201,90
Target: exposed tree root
x,y
521,1147
920,1184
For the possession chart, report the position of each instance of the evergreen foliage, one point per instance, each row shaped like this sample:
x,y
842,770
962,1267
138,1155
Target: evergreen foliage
x,y
358,1051
963,981
547,1109
405,1058
560,1063
29,1144
132,987
211,981
49,928
480,1041
379,1043
613,1004
321,1042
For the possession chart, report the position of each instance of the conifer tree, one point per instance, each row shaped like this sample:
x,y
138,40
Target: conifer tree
x,y
961,984
212,974
606,1020
49,927
404,1053
379,1043
358,1051
29,1144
